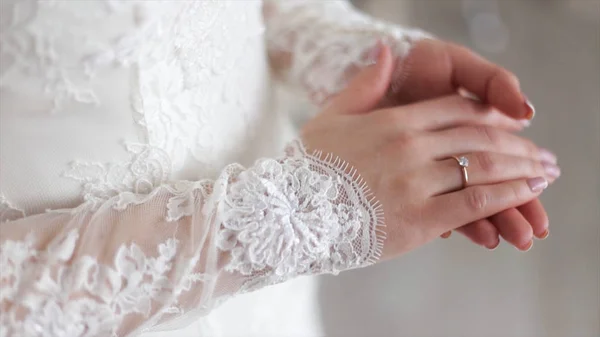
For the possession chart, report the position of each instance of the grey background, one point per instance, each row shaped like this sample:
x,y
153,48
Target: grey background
x,y
453,288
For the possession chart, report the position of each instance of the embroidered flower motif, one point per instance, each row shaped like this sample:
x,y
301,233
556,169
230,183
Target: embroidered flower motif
x,y
296,216
135,283
278,218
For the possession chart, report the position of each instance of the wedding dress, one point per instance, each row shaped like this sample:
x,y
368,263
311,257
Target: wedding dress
x,y
124,209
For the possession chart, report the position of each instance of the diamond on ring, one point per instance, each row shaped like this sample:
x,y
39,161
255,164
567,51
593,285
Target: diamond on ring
x,y
463,163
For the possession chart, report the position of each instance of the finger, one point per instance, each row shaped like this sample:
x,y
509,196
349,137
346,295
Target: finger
x,y
453,210
481,232
485,168
480,138
514,228
537,217
423,74
451,111
367,88
435,68
488,81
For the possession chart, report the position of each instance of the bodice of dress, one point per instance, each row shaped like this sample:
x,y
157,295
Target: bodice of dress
x,y
128,95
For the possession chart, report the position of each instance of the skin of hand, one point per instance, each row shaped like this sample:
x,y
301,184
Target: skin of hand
x,y
435,68
403,155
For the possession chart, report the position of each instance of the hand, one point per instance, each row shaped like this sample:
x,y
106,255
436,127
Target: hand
x,y
436,68
402,155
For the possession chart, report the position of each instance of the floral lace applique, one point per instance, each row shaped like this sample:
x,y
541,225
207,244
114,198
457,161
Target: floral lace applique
x,y
302,215
328,41
147,169
106,294
143,259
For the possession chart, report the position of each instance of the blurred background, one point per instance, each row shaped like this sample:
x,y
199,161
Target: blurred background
x,y
455,289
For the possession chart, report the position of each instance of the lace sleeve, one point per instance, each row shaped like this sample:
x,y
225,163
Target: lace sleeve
x,y
317,46
140,261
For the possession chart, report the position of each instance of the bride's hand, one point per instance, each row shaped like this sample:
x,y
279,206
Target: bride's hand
x,y
403,155
435,68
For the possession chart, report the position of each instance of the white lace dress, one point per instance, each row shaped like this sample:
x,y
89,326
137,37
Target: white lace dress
x,y
123,209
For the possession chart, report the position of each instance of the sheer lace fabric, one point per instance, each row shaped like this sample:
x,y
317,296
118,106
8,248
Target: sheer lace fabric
x,y
126,108
142,259
322,44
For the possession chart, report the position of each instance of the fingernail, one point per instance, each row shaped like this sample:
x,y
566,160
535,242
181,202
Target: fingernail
x,y
548,156
545,234
537,184
446,235
492,248
530,109
551,169
527,247
374,53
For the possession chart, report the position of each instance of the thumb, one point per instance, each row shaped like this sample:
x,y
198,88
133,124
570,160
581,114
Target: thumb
x,y
368,87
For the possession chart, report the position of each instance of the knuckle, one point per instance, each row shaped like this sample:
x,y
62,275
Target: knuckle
x,y
521,146
409,183
406,141
486,133
517,193
477,199
535,168
486,163
416,187
508,76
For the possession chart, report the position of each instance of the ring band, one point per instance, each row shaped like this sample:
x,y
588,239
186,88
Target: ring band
x,y
463,162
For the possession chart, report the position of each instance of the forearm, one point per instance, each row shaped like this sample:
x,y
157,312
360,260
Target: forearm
x,y
141,260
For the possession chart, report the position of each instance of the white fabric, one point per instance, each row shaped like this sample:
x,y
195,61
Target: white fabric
x,y
121,210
